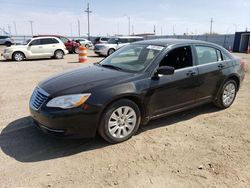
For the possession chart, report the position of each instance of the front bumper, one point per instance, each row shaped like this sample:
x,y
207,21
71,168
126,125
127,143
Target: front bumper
x,y
71,123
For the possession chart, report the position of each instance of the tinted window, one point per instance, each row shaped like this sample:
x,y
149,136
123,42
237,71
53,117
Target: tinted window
x,y
105,39
178,58
49,41
123,40
4,37
35,42
206,54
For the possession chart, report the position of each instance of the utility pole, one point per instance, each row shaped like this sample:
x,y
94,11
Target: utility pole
x,y
71,30
211,26
128,25
15,28
31,27
9,29
88,12
154,30
79,29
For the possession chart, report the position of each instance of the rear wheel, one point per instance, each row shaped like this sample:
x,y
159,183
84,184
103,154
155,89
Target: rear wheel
x,y
59,54
227,94
120,121
18,56
111,51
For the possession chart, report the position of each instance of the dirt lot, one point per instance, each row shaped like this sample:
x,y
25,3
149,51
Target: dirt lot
x,y
202,147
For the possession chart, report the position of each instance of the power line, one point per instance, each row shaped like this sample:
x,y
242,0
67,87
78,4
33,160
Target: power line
x,y
88,12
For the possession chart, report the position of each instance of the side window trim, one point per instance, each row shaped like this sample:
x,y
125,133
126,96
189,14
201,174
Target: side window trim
x,y
208,46
176,47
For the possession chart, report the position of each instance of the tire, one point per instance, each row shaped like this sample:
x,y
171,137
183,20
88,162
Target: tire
x,y
120,121
87,46
111,51
8,44
58,54
18,56
226,94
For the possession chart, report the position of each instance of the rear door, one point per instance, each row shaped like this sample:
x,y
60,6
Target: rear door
x,y
172,92
210,66
49,45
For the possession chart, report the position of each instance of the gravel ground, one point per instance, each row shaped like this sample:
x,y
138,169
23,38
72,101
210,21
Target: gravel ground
x,y
203,147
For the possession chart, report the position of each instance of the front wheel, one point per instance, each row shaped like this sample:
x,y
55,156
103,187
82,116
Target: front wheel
x,y
120,121
227,94
18,56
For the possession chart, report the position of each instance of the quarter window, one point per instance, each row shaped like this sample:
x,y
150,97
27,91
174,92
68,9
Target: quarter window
x,y
207,55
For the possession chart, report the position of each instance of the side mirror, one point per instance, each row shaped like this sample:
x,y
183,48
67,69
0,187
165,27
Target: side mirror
x,y
30,44
165,70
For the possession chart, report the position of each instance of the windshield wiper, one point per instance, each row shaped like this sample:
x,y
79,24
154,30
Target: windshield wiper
x,y
111,66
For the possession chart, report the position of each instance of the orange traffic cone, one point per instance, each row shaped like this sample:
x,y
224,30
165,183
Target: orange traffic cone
x,y
248,50
83,54
230,49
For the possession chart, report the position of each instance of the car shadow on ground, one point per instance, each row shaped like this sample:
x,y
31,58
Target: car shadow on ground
x,y
22,141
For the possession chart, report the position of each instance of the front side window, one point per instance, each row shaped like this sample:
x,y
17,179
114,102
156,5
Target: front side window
x,y
132,58
206,54
35,42
178,58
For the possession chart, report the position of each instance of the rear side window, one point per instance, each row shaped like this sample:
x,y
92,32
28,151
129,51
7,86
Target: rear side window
x,y
49,41
178,58
206,54
123,40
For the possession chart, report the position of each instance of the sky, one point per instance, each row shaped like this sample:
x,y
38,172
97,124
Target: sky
x,y
111,17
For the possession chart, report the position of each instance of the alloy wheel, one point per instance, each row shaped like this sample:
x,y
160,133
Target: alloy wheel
x,y
122,122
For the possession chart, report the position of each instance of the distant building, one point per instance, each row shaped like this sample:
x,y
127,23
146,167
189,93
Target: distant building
x,y
241,41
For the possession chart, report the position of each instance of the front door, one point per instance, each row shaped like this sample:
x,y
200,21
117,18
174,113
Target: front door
x,y
172,92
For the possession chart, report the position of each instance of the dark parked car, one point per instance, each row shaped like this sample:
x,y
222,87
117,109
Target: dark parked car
x,y
139,82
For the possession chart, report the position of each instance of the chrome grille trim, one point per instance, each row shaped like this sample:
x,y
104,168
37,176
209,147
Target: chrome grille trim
x,y
38,97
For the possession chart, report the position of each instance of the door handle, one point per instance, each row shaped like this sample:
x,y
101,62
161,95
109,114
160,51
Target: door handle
x,y
53,45
221,66
40,47
191,73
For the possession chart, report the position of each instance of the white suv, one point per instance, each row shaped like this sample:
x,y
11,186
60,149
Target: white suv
x,y
114,44
40,47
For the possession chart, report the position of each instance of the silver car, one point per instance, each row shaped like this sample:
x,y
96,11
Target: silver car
x,y
6,40
113,44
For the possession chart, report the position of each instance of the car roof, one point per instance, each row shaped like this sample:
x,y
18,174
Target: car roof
x,y
128,37
172,41
45,37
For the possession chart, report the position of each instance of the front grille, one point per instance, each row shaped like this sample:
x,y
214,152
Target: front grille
x,y
39,96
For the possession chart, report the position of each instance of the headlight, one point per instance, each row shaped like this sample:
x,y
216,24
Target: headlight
x,y
68,101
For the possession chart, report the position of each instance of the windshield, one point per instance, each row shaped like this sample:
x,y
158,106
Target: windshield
x,y
26,42
132,58
112,41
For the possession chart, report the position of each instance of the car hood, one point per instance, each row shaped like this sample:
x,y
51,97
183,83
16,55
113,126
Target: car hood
x,y
16,46
82,80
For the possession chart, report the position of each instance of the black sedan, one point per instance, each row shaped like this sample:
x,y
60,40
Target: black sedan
x,y
139,82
